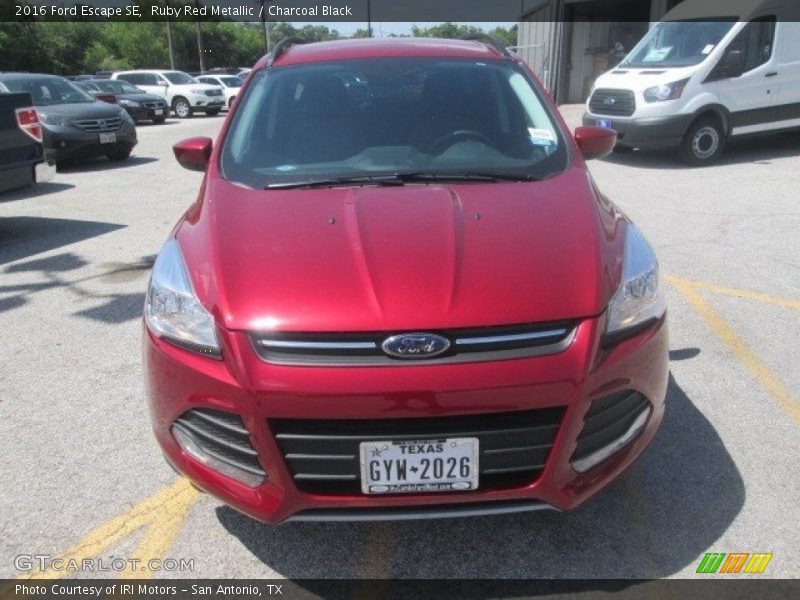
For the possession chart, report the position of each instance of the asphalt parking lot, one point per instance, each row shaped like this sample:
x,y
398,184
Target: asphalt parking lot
x,y
82,476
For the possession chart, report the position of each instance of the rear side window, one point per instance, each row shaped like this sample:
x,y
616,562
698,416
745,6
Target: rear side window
x,y
756,42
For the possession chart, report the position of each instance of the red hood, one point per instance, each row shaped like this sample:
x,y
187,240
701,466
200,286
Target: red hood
x,y
403,258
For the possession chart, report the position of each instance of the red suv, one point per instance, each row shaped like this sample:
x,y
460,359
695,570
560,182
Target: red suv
x,y
399,294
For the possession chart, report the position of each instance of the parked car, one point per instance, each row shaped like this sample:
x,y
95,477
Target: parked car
x,y
230,85
95,92
140,105
408,299
74,124
702,76
22,158
182,92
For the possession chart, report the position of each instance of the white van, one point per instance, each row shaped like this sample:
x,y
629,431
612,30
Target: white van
x,y
182,92
711,70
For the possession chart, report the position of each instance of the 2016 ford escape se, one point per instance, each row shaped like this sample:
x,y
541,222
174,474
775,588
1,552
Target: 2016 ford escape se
x,y
399,295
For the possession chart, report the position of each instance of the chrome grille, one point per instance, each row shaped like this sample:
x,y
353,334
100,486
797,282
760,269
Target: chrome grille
x,y
323,455
613,102
110,124
223,436
364,349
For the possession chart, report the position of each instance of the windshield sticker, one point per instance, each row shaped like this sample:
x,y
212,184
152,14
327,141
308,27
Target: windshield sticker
x,y
658,54
284,168
541,137
708,49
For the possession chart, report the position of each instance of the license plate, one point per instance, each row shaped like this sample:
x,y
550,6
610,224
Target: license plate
x,y
604,123
108,138
158,111
408,466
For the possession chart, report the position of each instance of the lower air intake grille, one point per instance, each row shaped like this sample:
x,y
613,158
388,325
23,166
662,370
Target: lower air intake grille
x,y
223,436
609,418
323,455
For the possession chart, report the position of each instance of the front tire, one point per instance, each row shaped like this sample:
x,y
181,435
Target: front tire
x,y
182,108
703,143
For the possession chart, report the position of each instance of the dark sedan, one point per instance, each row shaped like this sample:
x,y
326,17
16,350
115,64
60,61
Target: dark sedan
x,y
139,104
74,124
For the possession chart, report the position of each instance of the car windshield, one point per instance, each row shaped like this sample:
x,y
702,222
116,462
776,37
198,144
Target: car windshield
x,y
46,91
179,78
231,81
679,43
114,86
387,117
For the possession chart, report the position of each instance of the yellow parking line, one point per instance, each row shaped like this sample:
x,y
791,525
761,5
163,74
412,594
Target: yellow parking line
x,y
161,533
162,513
736,293
762,374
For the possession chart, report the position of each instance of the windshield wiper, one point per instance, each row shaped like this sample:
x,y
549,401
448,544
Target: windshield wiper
x,y
465,176
401,179
337,181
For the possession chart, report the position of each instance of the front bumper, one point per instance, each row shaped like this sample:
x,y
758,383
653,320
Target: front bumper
x,y
69,143
143,113
203,102
651,133
242,383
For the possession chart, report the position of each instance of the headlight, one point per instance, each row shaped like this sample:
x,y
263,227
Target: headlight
x,y
130,103
640,298
53,119
172,310
668,91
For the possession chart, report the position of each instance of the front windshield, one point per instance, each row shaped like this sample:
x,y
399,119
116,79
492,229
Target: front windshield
x,y
387,116
115,86
47,91
179,78
679,43
231,81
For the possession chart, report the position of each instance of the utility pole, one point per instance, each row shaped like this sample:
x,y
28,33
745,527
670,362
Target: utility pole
x,y
369,19
199,41
169,39
265,21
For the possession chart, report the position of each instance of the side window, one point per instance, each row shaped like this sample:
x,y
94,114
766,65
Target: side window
x,y
155,79
133,78
756,42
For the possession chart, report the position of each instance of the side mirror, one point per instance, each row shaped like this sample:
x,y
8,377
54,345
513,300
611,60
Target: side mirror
x,y
193,153
733,63
595,142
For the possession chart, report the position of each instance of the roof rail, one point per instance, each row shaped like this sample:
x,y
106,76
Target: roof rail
x,y
489,40
282,47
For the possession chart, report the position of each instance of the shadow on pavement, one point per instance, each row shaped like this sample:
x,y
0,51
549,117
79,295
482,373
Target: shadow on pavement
x,y
40,189
674,503
103,164
749,149
21,237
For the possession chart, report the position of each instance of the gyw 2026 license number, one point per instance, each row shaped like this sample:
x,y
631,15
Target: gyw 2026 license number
x,y
445,465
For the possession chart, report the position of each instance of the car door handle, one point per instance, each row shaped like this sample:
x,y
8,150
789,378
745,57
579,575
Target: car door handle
x,y
773,74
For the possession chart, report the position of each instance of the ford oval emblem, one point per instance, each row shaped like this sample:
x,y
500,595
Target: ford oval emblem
x,y
415,345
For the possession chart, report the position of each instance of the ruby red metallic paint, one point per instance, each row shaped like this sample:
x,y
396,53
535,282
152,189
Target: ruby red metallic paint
x,y
399,259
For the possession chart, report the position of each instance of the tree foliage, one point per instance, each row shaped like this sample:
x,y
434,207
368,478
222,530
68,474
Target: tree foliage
x,y
69,48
